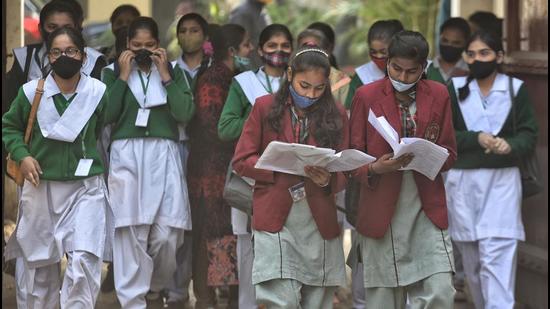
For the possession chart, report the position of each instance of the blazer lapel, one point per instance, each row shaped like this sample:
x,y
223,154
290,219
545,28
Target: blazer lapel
x,y
390,108
424,102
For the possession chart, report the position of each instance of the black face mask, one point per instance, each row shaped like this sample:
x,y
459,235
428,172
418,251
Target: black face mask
x,y
66,67
482,69
450,53
143,57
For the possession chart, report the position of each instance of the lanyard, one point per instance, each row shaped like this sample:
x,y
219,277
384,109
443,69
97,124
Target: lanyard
x,y
269,89
144,86
187,83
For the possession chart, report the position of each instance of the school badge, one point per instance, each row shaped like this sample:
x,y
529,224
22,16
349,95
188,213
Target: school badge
x,y
432,132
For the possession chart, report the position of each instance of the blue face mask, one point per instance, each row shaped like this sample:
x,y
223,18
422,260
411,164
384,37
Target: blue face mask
x,y
299,100
241,63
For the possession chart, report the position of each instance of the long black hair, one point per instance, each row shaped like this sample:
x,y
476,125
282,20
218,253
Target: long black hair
x,y
225,37
203,24
54,7
324,116
197,18
272,30
74,34
316,34
329,34
384,30
494,42
143,22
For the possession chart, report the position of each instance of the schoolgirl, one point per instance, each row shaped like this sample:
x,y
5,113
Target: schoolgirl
x,y
275,47
298,254
192,35
378,40
484,187
63,208
146,184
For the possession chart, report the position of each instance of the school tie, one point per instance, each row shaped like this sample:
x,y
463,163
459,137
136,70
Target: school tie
x,y
407,120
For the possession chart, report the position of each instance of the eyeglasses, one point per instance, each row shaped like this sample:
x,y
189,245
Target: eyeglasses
x,y
69,52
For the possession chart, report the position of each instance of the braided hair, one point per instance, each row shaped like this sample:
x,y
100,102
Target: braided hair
x,y
494,43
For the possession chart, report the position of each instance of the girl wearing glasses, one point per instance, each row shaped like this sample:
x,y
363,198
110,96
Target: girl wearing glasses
x,y
63,208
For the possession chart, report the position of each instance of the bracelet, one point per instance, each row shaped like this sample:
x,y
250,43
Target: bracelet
x,y
166,83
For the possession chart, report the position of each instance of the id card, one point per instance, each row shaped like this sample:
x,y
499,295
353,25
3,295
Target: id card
x,y
83,168
297,192
142,117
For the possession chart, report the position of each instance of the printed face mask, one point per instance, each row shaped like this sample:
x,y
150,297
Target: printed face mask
x,y
278,59
143,57
482,69
301,101
66,67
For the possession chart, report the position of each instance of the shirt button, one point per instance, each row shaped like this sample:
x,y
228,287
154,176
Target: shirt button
x,y
146,133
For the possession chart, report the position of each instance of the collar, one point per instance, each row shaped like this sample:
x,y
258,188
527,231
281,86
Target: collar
x,y
192,71
499,84
51,88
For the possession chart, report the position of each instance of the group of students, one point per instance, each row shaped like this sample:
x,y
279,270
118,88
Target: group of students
x,y
129,166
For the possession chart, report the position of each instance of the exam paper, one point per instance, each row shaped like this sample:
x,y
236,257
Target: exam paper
x,y
291,158
428,157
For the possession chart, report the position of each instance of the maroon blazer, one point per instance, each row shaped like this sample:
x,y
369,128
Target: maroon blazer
x,y
378,197
272,201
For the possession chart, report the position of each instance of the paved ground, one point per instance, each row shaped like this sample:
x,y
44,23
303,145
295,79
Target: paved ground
x,y
109,301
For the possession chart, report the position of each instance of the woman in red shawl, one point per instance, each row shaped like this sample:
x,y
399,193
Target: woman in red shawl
x,y
214,246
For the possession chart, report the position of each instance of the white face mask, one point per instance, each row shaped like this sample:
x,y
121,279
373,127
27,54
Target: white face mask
x,y
400,86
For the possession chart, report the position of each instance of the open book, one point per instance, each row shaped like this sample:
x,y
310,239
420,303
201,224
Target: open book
x,y
292,158
428,157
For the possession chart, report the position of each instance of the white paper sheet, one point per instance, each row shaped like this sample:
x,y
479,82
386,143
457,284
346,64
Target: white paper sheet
x,y
428,157
292,158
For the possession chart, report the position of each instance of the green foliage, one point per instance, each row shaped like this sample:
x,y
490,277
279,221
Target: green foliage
x,y
418,15
294,16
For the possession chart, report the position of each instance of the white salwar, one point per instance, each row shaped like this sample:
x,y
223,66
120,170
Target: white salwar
x,y
485,204
58,218
151,206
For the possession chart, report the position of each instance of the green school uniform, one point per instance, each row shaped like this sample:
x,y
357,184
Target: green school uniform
x,y
473,156
163,119
234,113
58,159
